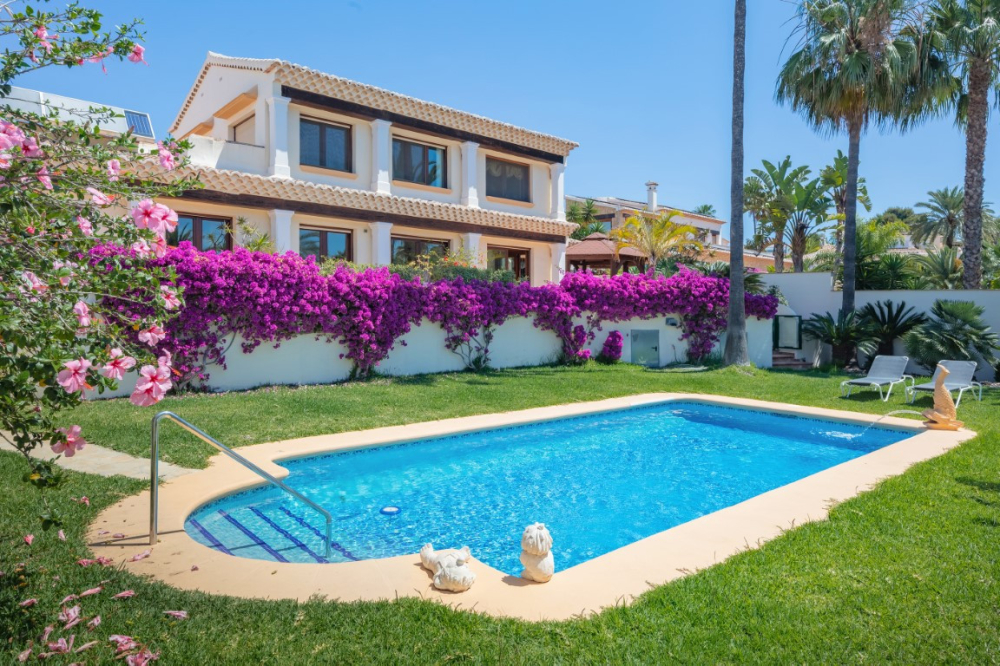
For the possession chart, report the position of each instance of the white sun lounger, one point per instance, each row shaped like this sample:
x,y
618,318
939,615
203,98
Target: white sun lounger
x,y
885,370
960,378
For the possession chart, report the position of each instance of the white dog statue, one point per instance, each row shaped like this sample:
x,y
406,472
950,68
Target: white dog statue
x,y
454,577
536,554
449,567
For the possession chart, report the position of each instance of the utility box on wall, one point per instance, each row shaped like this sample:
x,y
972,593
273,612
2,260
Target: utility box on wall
x,y
646,348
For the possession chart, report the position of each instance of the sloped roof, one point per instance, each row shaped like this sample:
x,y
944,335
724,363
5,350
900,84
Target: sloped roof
x,y
598,247
289,189
305,78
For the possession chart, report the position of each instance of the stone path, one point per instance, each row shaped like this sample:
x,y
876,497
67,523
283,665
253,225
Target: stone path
x,y
107,462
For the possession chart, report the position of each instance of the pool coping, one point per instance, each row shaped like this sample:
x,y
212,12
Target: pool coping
x,y
616,578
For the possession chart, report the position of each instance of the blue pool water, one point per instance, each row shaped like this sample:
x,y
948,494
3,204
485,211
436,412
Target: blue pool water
x,y
599,482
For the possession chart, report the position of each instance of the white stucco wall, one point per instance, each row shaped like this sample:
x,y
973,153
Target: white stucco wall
x,y
517,343
812,293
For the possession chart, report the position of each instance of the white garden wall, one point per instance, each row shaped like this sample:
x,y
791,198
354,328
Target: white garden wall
x,y
812,293
517,343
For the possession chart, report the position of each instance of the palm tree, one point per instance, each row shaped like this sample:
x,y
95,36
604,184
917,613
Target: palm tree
x,y
957,331
772,197
835,178
969,32
657,237
736,352
708,210
586,217
807,217
890,321
943,218
939,270
854,66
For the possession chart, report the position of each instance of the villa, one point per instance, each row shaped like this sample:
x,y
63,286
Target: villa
x,y
75,110
613,211
338,169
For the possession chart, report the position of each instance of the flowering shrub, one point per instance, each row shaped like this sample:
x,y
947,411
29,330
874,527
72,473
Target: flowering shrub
x,y
262,297
611,352
470,313
64,189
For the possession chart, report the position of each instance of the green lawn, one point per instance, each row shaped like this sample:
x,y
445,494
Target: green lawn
x,y
907,573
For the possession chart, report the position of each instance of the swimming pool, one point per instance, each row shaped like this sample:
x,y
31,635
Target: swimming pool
x,y
599,482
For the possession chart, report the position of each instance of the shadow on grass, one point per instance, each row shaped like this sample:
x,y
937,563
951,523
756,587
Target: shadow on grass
x,y
988,486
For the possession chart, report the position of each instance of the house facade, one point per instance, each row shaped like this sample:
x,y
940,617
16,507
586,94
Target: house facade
x,y
338,169
613,211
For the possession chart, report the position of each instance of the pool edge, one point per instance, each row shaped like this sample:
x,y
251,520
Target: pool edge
x,y
611,579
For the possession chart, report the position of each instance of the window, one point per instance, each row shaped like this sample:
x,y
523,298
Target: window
x,y
324,145
508,180
325,244
518,261
405,250
243,132
204,233
139,123
419,163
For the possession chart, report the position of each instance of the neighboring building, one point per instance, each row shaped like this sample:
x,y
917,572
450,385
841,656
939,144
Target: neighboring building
x,y
613,211
77,110
334,168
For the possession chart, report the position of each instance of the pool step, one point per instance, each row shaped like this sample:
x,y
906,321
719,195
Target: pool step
x,y
261,533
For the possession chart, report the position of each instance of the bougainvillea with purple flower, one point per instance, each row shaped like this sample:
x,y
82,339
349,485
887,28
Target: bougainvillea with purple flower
x,y
611,351
258,298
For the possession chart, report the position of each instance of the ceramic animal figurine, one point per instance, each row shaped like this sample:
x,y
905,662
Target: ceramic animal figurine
x,y
943,416
449,566
536,554
432,560
455,576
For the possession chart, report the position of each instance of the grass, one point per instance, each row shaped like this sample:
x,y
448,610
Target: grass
x,y
905,573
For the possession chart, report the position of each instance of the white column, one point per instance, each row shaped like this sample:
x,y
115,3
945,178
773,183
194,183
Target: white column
x,y
470,190
278,131
281,231
381,233
260,118
381,155
220,129
557,200
558,261
472,243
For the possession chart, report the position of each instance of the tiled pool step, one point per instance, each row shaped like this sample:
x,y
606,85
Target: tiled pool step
x,y
268,535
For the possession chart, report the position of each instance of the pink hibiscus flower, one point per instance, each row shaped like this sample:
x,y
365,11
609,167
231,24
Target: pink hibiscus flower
x,y
44,178
152,335
114,169
99,198
138,54
72,444
74,377
170,298
85,226
82,313
118,365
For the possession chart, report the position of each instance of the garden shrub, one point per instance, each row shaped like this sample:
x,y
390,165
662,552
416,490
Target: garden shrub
x,y
955,332
611,352
270,298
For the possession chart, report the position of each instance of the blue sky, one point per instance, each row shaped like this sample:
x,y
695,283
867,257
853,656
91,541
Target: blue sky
x,y
643,87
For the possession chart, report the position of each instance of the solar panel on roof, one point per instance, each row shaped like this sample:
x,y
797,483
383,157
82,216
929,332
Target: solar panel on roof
x,y
139,123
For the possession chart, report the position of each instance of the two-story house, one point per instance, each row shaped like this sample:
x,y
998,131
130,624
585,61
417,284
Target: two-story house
x,y
335,168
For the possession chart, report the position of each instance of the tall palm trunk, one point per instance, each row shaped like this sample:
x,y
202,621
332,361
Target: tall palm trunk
x,y
779,253
975,158
799,242
736,334
851,215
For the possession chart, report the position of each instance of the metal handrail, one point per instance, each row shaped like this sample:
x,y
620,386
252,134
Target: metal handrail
x,y
154,464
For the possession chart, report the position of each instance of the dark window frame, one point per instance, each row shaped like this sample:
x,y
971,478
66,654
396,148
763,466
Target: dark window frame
x,y
197,233
418,239
324,125
426,161
323,241
517,250
520,164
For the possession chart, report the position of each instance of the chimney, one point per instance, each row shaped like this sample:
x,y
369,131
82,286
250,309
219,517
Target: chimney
x,y
651,196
